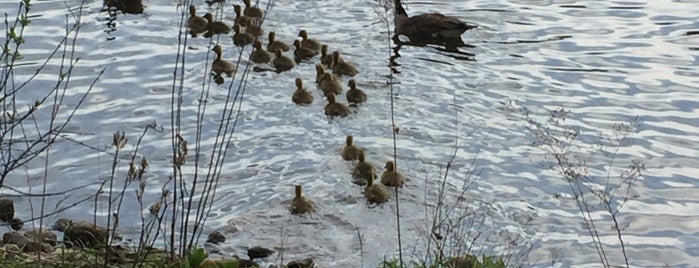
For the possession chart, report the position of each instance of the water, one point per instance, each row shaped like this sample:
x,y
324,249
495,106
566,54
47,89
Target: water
x,y
603,62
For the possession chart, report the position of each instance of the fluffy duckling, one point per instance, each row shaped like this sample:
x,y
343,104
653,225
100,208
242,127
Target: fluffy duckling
x,y
219,66
333,108
327,82
349,152
374,193
340,67
391,177
301,95
281,62
363,171
325,58
355,95
195,23
431,25
274,44
240,19
308,42
300,205
252,11
241,39
215,27
260,55
255,29
303,53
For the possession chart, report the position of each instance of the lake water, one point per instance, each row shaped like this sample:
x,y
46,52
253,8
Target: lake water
x,y
599,62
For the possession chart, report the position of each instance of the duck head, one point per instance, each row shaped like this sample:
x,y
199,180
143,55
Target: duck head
x,y
237,10
352,84
209,17
390,166
271,37
192,10
323,50
297,191
278,53
360,157
331,98
348,140
217,50
336,57
299,83
303,34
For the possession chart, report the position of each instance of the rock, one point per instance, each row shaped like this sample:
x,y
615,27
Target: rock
x,y
259,252
243,263
16,224
305,263
62,224
10,251
86,234
36,246
216,237
7,209
14,238
42,235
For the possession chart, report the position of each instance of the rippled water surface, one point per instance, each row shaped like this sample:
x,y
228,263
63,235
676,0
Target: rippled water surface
x,y
602,62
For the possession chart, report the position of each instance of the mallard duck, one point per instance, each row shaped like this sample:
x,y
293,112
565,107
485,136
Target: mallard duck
x,y
308,42
374,193
349,152
252,11
430,25
355,95
240,19
301,95
274,44
241,39
363,170
340,67
333,108
195,23
260,55
300,205
391,177
325,58
327,82
215,27
281,62
219,66
303,53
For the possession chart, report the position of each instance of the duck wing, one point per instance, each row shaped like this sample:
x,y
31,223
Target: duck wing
x,y
434,25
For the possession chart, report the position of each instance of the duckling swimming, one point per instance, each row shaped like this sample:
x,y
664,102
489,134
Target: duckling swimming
x,y
303,53
219,66
195,23
282,63
215,27
391,177
363,171
349,152
333,108
327,82
242,20
301,95
274,44
241,39
255,29
300,205
355,95
325,59
260,55
340,67
374,193
308,42
252,11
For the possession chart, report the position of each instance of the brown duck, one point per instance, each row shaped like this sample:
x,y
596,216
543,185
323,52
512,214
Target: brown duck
x,y
240,19
252,11
391,177
274,44
241,39
301,96
355,95
375,193
260,55
308,42
300,205
325,58
429,25
340,67
219,66
349,152
303,53
363,170
327,82
195,23
282,63
215,27
333,108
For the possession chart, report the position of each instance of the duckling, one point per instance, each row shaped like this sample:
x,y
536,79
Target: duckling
x,y
355,95
242,20
327,82
340,67
325,58
430,25
195,23
300,205
363,171
391,177
333,108
259,55
241,39
308,42
349,152
303,53
374,193
255,29
301,95
215,27
273,44
252,11
219,66
281,62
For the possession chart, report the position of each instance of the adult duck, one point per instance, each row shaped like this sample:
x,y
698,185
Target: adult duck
x,y
219,66
428,25
301,96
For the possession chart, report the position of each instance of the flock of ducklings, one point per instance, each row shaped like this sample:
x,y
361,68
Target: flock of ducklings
x,y
246,31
